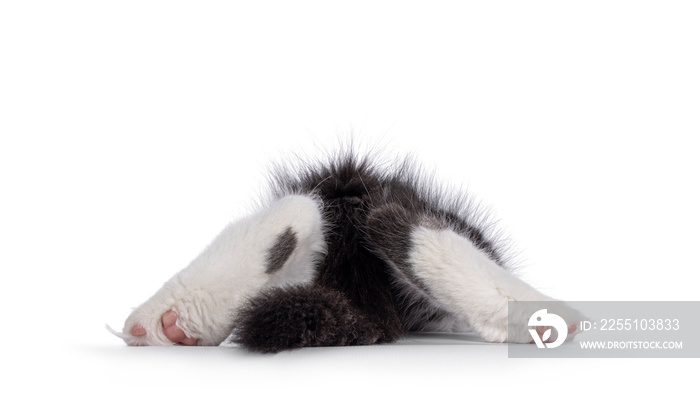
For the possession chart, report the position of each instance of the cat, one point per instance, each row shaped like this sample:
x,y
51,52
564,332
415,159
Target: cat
x,y
347,252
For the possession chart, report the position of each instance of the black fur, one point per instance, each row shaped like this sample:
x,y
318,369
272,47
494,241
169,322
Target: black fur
x,y
280,252
363,292
286,318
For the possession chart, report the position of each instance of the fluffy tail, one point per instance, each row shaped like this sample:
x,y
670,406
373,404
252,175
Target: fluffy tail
x,y
302,316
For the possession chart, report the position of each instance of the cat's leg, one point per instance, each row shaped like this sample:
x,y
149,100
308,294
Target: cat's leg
x,y
437,265
278,246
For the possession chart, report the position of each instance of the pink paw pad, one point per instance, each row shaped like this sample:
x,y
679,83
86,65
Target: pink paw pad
x,y
138,331
172,332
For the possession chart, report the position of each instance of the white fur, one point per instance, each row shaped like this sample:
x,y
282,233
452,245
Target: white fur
x,y
206,294
464,281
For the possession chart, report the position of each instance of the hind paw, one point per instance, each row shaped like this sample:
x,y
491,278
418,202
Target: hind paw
x,y
163,330
170,329
173,332
179,317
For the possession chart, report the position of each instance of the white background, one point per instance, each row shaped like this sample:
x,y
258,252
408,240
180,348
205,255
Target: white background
x,y
133,131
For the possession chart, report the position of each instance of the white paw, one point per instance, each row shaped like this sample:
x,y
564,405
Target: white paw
x,y
541,322
503,325
182,317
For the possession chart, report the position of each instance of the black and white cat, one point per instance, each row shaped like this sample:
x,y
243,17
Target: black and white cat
x,y
346,252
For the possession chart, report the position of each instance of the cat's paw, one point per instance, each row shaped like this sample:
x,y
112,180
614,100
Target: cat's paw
x,y
543,322
169,328
173,332
549,333
529,322
177,315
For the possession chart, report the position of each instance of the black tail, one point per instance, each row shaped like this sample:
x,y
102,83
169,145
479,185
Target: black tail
x,y
302,316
